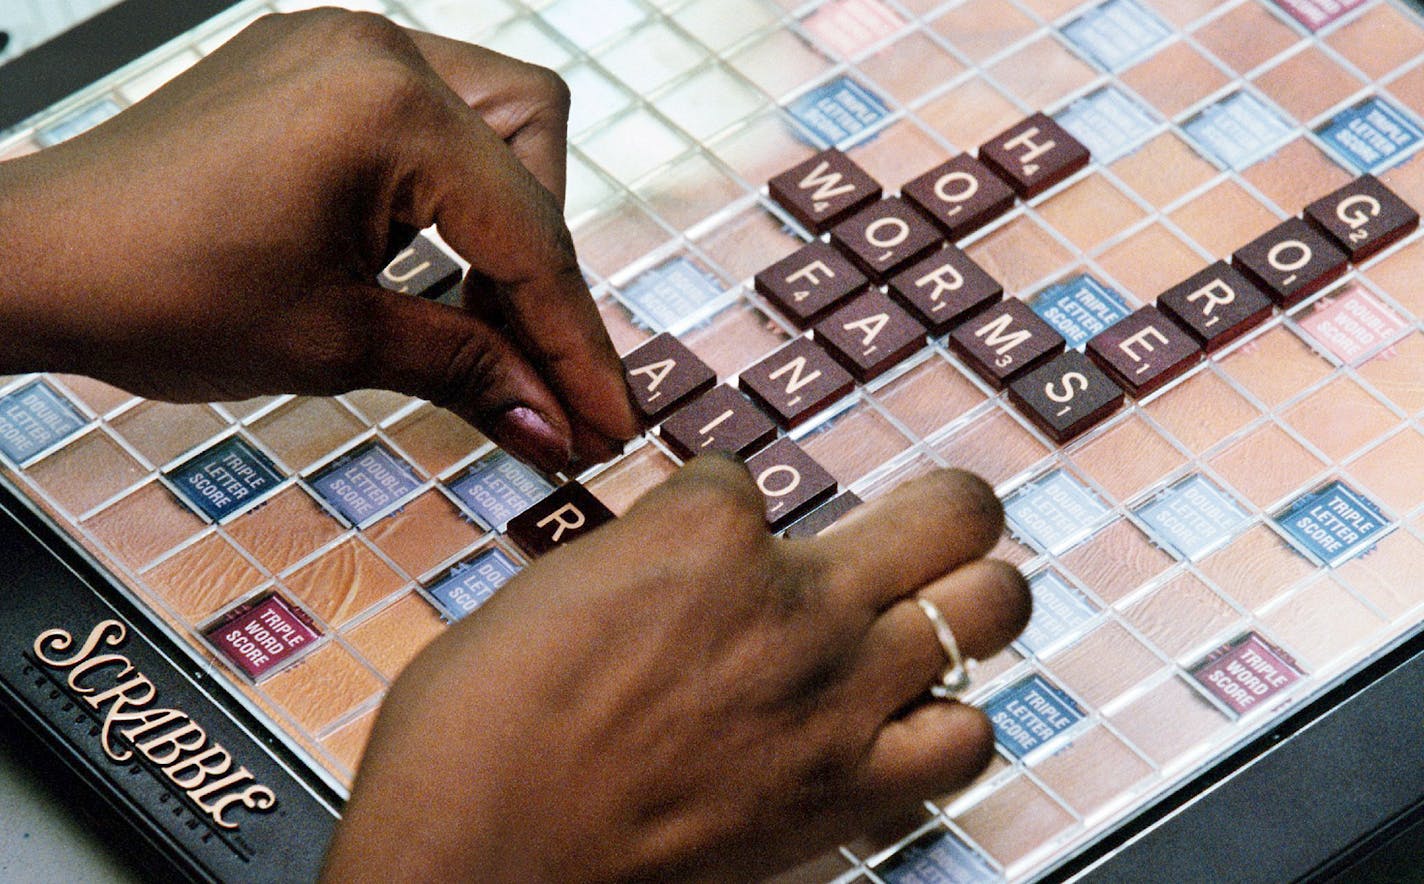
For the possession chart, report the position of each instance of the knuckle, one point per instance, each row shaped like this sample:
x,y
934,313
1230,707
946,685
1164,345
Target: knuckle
x,y
718,494
346,29
549,88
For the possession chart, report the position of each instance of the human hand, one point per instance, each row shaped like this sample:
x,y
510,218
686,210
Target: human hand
x,y
715,709
221,239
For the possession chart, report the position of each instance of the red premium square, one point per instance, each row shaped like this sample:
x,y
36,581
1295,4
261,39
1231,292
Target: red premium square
x,y
259,638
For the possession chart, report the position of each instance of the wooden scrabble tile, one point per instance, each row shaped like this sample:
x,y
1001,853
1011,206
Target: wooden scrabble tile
x,y
960,196
1005,341
885,237
1066,396
1363,217
1034,155
422,268
1290,262
720,420
1216,306
870,334
663,374
564,516
809,282
1143,351
795,382
944,290
823,516
790,480
824,190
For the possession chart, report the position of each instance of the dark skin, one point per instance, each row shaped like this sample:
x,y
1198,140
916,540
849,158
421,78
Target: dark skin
x,y
720,710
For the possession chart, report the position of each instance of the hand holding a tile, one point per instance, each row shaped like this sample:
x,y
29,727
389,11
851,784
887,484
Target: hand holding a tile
x,y
221,239
681,695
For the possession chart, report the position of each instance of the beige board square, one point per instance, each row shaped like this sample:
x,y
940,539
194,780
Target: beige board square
x,y
1393,471
983,28
1275,367
284,529
1398,373
1014,820
1223,218
1320,623
1042,73
1105,664
425,533
1379,40
1182,616
1019,254
1266,465
1340,418
1296,175
854,443
392,637
1091,211
1174,78
201,579
969,115
995,446
1164,169
322,686
1116,561
1256,568
1202,410
1307,84
1246,37
929,396
1128,458
1150,261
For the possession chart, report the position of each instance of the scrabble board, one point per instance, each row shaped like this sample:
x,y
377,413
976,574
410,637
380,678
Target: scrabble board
x,y
1148,266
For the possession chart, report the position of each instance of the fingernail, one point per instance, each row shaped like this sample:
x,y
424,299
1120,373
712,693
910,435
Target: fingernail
x,y
527,433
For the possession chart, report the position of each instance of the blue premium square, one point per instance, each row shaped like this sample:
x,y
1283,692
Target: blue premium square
x,y
227,478
1372,135
1193,517
1054,511
365,483
470,584
34,418
1238,130
1117,33
839,111
1108,123
936,857
1029,714
1333,524
497,488
1079,309
1059,611
672,291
